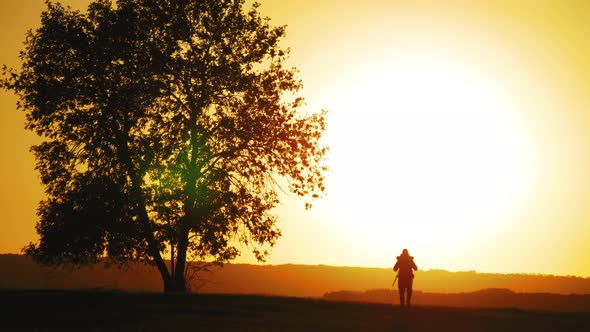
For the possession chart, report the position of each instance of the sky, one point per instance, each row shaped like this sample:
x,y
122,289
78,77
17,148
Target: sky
x,y
459,130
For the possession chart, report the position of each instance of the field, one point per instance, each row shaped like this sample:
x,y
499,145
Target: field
x,y
54,310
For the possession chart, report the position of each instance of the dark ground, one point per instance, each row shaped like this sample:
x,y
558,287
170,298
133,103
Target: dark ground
x,y
36,310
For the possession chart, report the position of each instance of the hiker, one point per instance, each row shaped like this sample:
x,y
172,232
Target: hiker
x,y
405,274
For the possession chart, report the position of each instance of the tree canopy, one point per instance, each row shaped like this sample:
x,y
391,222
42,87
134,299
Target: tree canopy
x,y
169,128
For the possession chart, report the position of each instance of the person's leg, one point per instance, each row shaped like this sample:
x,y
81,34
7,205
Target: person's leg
x,y
409,295
401,290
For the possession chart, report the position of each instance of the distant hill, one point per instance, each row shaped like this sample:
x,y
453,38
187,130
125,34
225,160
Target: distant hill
x,y
20,272
313,281
487,298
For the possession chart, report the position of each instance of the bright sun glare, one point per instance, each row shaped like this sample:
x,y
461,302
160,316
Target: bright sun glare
x,y
426,147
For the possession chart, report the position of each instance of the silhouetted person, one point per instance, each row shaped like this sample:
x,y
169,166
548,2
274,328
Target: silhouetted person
x,y
405,267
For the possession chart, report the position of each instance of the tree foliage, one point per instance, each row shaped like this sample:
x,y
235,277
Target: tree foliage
x,y
169,128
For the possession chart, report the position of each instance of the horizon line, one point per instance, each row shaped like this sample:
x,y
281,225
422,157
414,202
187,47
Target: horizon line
x,y
262,264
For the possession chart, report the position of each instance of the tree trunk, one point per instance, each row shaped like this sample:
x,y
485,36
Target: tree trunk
x,y
143,215
178,276
176,285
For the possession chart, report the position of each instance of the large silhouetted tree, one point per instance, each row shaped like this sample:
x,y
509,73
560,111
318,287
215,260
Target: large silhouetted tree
x,y
169,127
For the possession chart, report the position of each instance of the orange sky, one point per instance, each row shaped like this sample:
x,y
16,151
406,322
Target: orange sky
x,y
459,129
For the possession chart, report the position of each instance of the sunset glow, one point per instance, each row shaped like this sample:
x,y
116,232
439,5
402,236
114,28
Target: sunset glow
x,y
458,129
436,151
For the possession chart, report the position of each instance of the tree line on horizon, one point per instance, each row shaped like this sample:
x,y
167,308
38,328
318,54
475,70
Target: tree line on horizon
x,y
286,280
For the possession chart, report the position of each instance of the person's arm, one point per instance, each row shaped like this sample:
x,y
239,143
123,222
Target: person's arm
x,y
396,266
414,265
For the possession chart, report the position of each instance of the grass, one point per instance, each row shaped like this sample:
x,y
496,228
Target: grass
x,y
35,310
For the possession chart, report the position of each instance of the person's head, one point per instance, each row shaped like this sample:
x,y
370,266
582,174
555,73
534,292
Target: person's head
x,y
405,252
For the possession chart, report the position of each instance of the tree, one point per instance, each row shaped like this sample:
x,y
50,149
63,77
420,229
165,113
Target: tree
x,y
169,129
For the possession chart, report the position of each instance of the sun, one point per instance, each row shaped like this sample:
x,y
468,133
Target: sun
x,y
429,147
